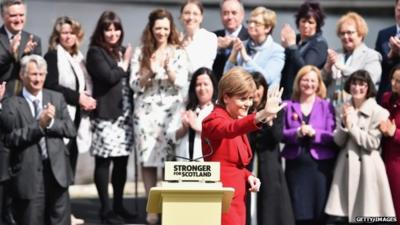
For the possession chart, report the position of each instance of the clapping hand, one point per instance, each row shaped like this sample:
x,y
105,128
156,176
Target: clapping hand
x,y
306,130
30,45
2,90
388,128
47,115
288,36
347,112
273,105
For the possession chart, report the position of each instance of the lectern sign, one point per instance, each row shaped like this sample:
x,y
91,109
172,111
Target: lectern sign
x,y
192,171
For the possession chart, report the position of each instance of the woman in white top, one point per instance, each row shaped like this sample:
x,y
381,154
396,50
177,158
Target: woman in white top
x,y
185,131
199,43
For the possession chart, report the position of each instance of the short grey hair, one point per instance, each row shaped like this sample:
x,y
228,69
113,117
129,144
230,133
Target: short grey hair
x,y
221,3
7,3
37,59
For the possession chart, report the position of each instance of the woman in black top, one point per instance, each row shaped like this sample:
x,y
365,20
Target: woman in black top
x,y
107,63
309,47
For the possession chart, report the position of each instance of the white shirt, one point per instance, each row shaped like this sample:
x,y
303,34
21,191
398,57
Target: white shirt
x,y
202,49
234,33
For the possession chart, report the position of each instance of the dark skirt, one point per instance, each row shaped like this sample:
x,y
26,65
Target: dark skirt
x,y
273,201
309,181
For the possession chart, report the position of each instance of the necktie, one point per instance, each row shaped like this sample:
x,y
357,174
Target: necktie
x,y
42,142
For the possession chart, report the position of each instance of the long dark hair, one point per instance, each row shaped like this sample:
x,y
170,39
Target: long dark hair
x,y
193,101
107,19
149,44
395,96
260,81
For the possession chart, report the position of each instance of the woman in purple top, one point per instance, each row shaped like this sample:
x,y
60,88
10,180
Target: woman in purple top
x,y
309,148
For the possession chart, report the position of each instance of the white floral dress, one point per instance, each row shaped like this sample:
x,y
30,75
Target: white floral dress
x,y
156,105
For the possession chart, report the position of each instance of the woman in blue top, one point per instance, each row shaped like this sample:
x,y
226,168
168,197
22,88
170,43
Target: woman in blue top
x,y
260,53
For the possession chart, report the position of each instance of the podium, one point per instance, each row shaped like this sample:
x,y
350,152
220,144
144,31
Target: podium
x,y
190,200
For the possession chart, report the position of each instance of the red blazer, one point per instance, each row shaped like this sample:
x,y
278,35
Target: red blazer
x,y
391,150
224,140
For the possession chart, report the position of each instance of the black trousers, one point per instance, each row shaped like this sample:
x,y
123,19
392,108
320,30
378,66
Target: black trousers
x,y
50,206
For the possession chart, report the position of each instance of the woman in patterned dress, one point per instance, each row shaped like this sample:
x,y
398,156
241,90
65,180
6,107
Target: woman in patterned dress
x,y
159,78
107,64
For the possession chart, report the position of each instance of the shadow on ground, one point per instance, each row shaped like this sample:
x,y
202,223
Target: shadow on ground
x,y
88,209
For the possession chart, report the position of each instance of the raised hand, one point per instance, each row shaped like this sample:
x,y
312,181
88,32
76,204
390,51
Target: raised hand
x,y
288,36
30,45
273,105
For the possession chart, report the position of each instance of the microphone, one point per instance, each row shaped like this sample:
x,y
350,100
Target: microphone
x,y
170,152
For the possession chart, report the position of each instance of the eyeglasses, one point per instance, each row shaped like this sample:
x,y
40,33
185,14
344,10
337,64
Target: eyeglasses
x,y
348,32
257,23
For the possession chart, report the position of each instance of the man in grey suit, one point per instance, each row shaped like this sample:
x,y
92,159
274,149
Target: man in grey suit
x,y
14,43
36,121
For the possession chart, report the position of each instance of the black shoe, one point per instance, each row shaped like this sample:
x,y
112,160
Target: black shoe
x,y
8,217
110,217
122,212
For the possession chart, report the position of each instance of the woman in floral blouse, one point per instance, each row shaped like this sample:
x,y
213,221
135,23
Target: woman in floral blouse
x,y
159,78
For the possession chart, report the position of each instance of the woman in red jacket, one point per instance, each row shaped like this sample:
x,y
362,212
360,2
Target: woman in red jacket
x,y
391,140
224,136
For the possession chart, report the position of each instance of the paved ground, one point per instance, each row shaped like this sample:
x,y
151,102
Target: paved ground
x,y
88,209
85,203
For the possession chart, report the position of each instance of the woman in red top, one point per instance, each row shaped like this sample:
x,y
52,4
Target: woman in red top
x,y
224,136
391,141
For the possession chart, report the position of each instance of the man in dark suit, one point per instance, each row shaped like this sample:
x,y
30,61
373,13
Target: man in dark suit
x,y
232,14
36,121
388,44
4,175
14,43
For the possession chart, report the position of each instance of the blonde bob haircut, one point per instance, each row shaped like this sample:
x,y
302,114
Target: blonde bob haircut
x,y
269,16
236,81
321,90
361,25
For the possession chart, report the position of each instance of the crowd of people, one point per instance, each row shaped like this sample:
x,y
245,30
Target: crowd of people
x,y
232,96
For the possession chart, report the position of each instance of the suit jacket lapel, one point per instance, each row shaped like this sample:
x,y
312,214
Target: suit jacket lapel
x,y
24,107
46,98
297,109
24,41
4,38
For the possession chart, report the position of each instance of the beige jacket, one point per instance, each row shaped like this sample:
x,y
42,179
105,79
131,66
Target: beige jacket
x,y
360,186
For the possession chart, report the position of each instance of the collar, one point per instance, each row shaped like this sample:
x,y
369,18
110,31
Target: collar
x,y
397,30
9,34
27,95
234,33
367,106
